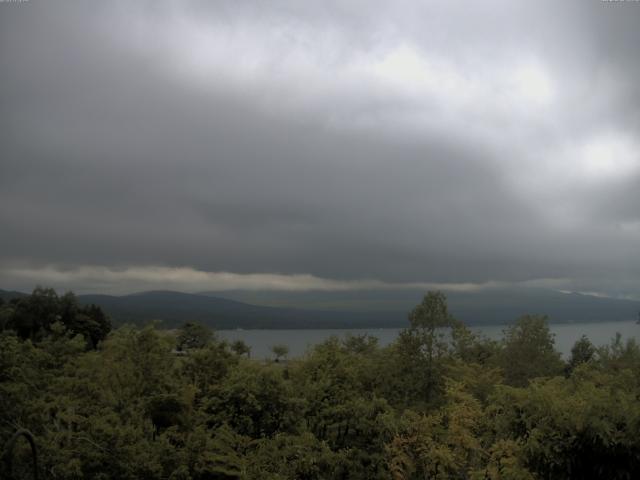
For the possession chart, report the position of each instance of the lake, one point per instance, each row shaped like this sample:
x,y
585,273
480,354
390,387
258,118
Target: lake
x,y
299,341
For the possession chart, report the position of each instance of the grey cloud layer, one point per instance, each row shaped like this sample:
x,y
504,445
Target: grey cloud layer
x,y
410,143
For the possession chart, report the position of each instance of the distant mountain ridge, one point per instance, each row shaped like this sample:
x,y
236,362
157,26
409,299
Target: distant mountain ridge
x,y
485,307
7,295
361,309
174,308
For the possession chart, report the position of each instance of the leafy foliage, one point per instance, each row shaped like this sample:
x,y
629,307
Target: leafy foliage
x,y
33,316
280,351
439,403
529,351
193,335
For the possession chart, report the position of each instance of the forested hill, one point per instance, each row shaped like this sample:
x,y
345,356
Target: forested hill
x,y
174,308
366,309
486,307
7,295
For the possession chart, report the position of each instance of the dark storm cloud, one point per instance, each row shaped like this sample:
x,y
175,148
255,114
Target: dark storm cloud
x,y
427,143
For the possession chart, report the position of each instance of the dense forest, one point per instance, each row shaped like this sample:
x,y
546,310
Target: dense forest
x,y
438,403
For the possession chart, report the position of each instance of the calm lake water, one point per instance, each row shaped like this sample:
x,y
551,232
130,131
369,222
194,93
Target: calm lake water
x,y
299,341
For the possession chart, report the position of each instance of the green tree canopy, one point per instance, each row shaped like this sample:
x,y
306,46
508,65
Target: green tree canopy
x,y
582,351
241,348
280,351
33,316
422,348
528,351
192,336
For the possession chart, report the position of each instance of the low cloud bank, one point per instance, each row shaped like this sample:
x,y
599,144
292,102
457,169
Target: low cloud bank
x,y
104,279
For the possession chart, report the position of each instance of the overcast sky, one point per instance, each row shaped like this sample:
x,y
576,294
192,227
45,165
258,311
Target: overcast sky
x,y
332,145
